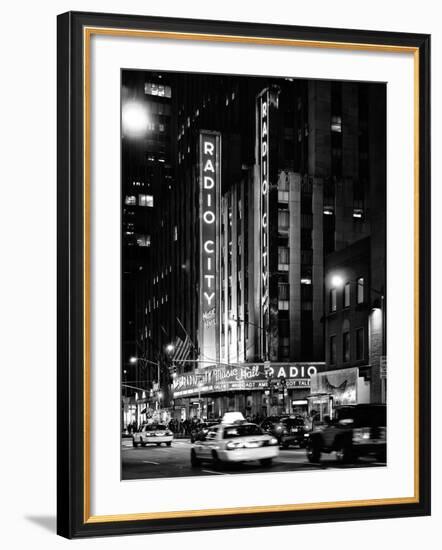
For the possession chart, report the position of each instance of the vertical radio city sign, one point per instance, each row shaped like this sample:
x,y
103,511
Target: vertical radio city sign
x,y
209,192
263,161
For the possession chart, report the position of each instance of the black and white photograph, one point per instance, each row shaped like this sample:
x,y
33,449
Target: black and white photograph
x,y
253,294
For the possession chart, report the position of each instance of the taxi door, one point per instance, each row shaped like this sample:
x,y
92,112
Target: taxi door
x,y
204,448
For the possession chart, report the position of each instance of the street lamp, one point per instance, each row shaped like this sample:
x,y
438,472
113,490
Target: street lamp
x,y
135,118
170,348
337,281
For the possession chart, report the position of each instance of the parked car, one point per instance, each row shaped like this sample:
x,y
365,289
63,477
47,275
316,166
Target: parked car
x,y
356,431
153,434
237,442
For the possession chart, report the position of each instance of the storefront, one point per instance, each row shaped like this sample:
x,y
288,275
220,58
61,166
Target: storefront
x,y
256,390
331,389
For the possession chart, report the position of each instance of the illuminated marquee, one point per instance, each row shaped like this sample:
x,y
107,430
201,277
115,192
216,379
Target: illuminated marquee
x,y
209,181
251,377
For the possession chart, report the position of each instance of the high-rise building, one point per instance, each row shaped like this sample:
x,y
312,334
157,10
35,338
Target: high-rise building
x,y
294,175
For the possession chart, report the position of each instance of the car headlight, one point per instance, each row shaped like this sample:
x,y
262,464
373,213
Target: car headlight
x,y
231,445
360,434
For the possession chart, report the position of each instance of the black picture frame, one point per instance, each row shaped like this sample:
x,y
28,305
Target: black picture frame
x,y
72,508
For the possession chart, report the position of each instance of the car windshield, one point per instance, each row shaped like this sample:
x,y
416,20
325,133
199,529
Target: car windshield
x,y
159,427
363,416
242,430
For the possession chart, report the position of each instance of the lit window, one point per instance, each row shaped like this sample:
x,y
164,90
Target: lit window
x,y
283,196
143,240
145,200
283,220
283,305
347,295
333,299
283,258
360,288
306,281
336,124
358,213
130,199
150,88
175,233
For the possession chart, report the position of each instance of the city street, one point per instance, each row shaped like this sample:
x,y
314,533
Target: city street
x,y
155,462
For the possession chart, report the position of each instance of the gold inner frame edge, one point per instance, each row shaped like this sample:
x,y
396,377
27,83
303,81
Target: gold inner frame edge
x,y
134,33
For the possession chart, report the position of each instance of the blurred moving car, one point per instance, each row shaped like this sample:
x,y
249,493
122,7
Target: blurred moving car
x,y
356,431
152,433
200,429
288,430
294,432
236,442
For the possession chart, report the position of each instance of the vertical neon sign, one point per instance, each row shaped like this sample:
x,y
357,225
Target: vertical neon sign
x,y
263,151
209,183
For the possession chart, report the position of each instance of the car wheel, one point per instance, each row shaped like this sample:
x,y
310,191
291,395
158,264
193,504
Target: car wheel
x,y
314,451
134,443
142,443
266,461
194,460
158,444
169,443
343,453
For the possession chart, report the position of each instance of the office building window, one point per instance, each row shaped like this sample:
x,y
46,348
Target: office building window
x,y
283,258
283,291
145,200
336,124
130,200
151,88
143,240
347,295
333,299
332,350
283,220
360,290
346,347
359,344
283,189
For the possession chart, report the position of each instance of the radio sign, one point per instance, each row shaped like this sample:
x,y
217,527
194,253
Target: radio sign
x,y
209,181
263,161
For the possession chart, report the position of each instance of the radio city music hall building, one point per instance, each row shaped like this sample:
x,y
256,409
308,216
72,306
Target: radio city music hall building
x,y
269,177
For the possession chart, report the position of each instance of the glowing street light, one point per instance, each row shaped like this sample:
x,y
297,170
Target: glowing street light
x,y
170,348
133,360
135,118
337,281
